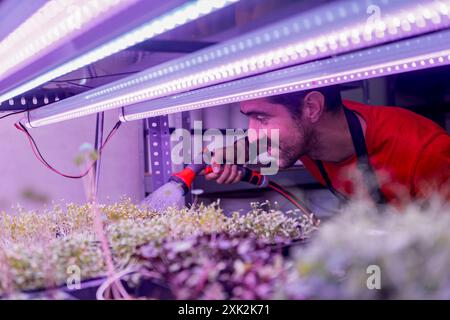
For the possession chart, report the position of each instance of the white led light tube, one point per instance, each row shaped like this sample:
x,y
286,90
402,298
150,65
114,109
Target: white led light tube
x,y
408,55
179,16
54,22
331,29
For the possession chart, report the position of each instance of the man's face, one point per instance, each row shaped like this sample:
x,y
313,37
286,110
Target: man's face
x,y
295,134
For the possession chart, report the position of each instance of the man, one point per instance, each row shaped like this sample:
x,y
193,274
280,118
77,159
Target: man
x,y
386,153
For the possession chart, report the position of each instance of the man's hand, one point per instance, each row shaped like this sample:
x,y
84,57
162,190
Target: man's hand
x,y
224,173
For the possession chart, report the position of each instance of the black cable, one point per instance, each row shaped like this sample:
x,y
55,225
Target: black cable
x,y
16,112
41,158
103,76
113,130
292,198
74,83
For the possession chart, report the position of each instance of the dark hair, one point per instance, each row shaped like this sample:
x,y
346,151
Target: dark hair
x,y
294,101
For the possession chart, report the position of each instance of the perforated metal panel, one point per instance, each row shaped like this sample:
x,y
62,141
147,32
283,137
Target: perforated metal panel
x,y
159,150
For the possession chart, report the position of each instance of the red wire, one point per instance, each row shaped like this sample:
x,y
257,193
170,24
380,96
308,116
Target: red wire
x,y
290,198
20,127
280,190
36,154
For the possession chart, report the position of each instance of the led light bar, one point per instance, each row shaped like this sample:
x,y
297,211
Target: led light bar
x,y
179,16
408,55
334,28
54,22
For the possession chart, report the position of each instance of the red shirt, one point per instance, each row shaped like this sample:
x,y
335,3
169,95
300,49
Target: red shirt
x,y
409,154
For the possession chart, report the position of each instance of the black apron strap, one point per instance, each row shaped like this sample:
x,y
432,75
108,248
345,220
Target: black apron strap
x,y
363,163
330,187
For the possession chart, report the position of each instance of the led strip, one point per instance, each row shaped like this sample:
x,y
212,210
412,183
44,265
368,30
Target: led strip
x,y
54,22
182,15
331,29
408,55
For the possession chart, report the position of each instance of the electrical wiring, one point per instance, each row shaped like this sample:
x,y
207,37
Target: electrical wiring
x,y
100,76
19,126
292,198
250,175
16,112
75,84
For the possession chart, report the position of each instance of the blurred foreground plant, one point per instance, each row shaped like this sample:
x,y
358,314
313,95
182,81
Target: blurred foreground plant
x,y
410,249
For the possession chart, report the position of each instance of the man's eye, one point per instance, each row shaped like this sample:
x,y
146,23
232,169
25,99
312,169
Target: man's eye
x,y
261,118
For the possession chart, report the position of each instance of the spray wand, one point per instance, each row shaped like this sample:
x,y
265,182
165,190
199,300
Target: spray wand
x,y
172,193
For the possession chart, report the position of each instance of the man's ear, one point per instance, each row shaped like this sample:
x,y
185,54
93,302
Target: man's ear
x,y
313,106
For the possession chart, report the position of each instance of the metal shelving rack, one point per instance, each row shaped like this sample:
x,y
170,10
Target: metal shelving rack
x,y
335,42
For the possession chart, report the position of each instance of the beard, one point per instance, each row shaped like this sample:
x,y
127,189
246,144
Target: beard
x,y
292,149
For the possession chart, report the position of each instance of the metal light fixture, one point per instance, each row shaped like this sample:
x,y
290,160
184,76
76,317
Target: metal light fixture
x,y
54,22
181,15
408,55
331,29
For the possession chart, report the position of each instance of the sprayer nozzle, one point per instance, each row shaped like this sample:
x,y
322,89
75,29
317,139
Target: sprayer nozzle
x,y
168,195
185,177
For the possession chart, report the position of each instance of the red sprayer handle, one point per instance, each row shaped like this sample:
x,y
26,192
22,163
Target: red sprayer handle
x,y
188,174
